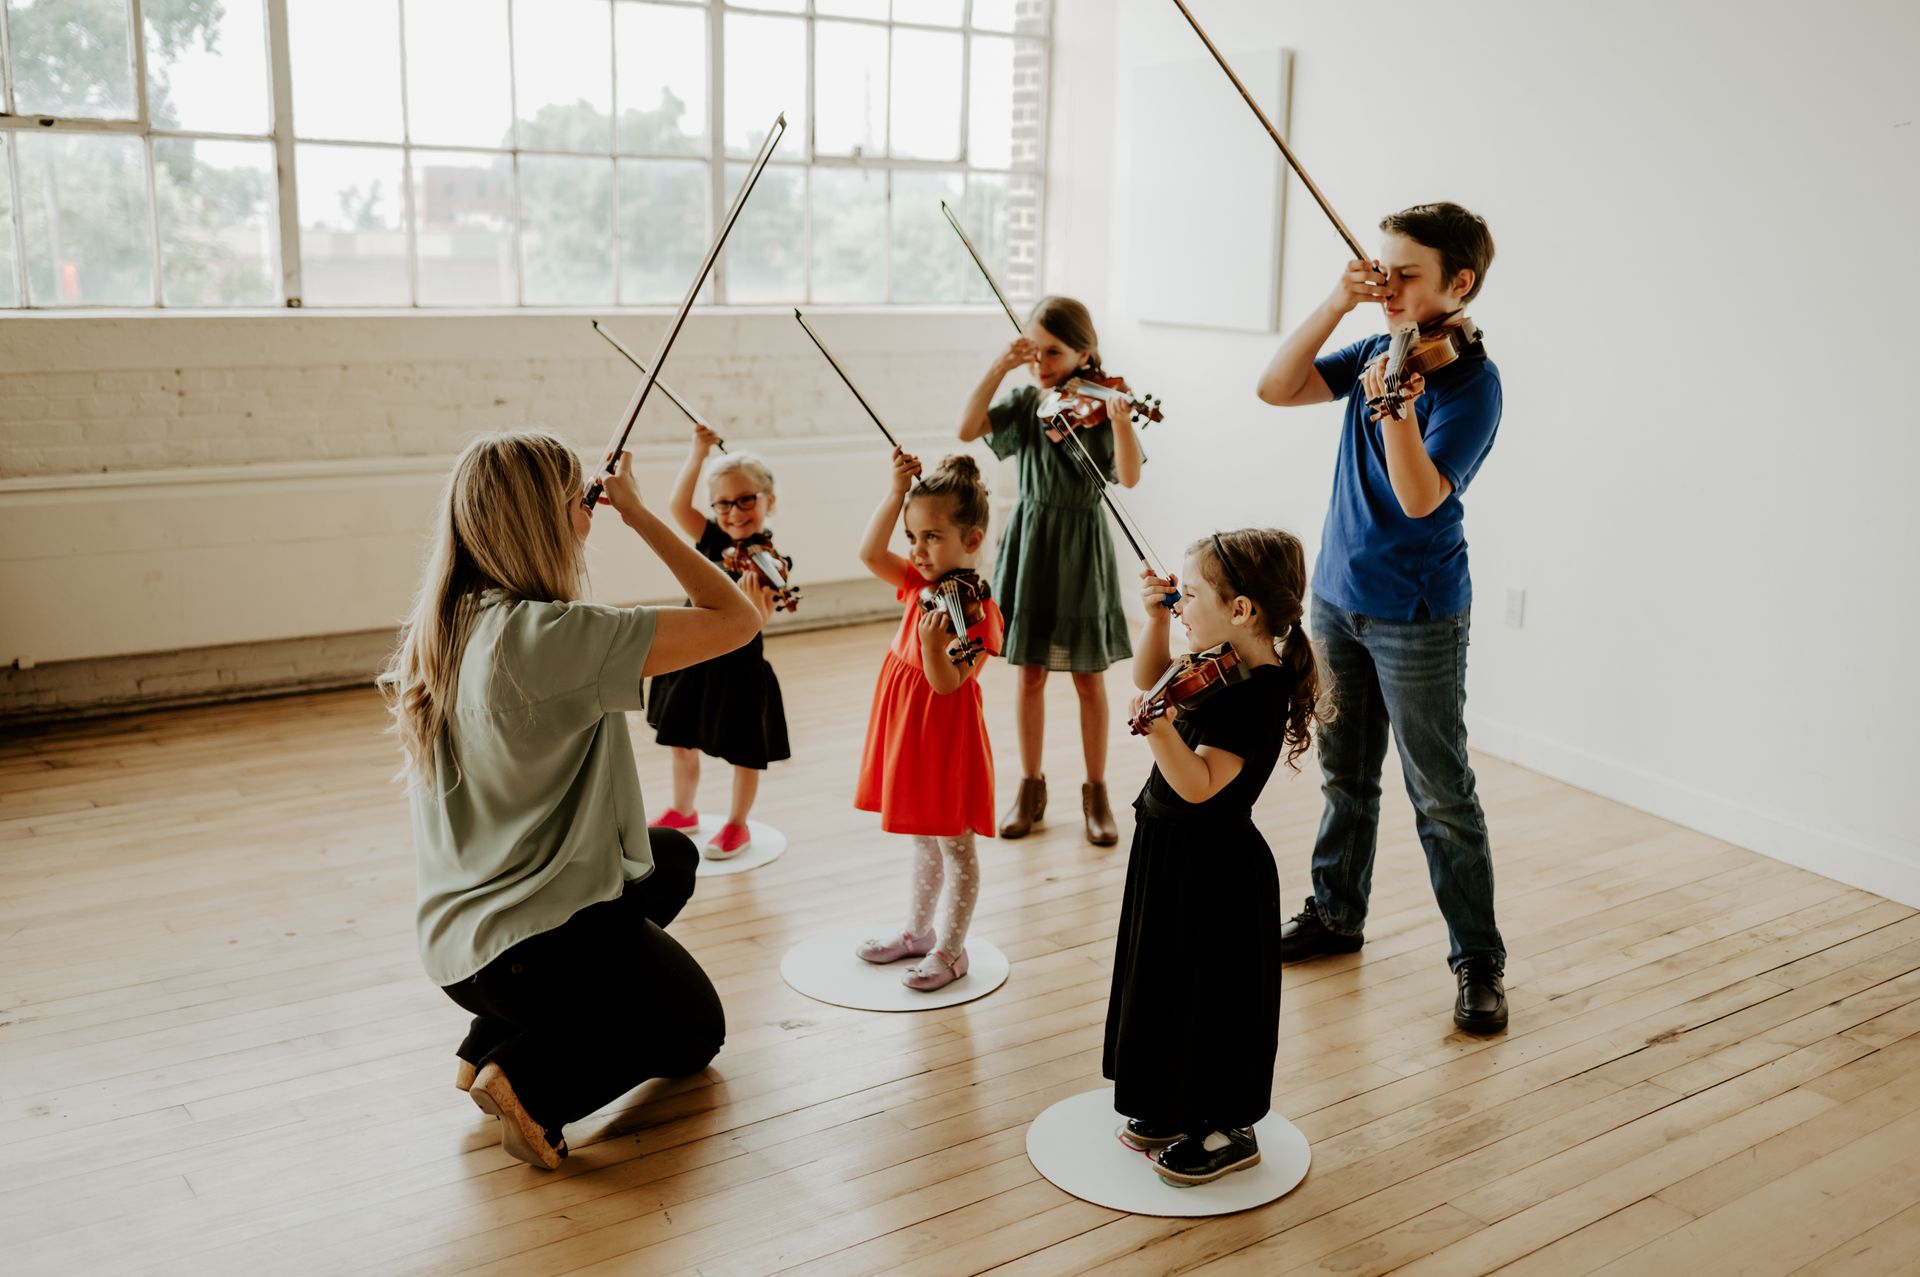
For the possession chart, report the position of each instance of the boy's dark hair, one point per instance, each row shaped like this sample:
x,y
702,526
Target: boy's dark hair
x,y
1269,567
1461,238
1071,322
958,480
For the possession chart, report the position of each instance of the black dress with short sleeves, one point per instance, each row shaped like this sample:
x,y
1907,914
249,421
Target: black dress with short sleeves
x,y
729,707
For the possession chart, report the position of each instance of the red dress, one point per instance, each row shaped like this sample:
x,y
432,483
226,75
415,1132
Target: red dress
x,y
928,768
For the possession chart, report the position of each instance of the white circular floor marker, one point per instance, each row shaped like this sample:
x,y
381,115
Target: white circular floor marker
x,y
766,846
826,970
1076,1145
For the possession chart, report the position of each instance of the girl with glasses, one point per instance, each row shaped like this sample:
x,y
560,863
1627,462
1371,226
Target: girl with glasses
x,y
730,707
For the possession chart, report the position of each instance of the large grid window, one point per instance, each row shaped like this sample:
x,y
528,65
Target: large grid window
x,y
480,153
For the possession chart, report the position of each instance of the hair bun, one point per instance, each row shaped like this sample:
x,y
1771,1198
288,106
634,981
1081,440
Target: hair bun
x,y
961,466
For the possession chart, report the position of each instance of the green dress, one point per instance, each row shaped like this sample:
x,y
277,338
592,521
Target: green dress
x,y
1055,578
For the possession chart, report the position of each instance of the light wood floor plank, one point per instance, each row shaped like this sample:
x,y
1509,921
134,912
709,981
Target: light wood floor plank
x,y
218,1052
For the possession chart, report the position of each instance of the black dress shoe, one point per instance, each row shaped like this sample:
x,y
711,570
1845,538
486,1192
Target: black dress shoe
x,y
1192,1162
1146,1137
1304,936
1482,1004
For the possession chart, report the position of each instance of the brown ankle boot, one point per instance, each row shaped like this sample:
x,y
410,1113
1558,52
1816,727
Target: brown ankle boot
x,y
1100,828
1027,809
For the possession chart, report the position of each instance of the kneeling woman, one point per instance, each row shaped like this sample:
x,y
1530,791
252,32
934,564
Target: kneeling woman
x,y
542,893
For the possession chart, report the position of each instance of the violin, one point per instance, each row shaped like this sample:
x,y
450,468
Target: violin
x,y
756,556
1421,350
1190,680
1089,398
961,596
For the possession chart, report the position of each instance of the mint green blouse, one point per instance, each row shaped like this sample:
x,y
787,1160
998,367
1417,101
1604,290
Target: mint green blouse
x,y
542,816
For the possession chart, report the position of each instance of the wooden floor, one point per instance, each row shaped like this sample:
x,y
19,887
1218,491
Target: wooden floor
x,y
218,1052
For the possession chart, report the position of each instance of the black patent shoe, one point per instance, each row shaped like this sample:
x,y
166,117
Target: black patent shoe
x,y
1146,1137
1482,1004
1191,1162
1304,936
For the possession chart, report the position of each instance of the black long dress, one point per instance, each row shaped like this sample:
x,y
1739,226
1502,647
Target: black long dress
x,y
1193,1022
729,707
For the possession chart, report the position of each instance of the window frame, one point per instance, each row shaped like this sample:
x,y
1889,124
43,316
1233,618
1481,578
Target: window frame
x,y
283,139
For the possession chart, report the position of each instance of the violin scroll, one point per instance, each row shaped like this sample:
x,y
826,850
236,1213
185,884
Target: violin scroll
x,y
1090,398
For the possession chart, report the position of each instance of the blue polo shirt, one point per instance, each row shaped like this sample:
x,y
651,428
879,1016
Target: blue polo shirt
x,y
1374,560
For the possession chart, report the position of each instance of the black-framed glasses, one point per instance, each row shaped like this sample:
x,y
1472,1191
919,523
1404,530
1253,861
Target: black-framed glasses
x,y
744,504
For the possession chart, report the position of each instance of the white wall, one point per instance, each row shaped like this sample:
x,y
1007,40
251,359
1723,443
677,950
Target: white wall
x,y
180,483
1703,308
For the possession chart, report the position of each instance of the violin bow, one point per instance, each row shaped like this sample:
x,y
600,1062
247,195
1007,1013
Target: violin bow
x,y
822,347
979,261
1082,455
661,386
1359,253
652,377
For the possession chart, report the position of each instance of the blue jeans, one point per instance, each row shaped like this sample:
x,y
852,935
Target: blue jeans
x,y
1410,676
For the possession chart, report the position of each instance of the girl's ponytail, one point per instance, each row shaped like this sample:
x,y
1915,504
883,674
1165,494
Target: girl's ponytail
x,y
1303,691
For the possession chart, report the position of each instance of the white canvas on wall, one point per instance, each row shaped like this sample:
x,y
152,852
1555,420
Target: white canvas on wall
x,y
1206,244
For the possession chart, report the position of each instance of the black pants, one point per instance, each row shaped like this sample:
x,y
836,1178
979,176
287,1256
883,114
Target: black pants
x,y
581,1014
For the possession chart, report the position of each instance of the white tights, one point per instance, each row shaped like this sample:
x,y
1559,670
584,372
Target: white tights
x,y
933,858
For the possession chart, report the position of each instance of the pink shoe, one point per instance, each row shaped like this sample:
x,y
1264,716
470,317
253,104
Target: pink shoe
x,y
728,843
907,945
937,974
671,819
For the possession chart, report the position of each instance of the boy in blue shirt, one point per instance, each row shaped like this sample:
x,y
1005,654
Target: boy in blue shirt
x,y
1392,596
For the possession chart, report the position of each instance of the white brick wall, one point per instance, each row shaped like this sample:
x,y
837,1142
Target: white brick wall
x,y
80,395
120,438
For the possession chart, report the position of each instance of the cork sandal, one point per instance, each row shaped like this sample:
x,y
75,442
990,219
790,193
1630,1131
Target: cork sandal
x,y
520,1135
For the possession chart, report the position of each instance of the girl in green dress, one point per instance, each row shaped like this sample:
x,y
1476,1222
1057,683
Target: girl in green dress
x,y
1056,577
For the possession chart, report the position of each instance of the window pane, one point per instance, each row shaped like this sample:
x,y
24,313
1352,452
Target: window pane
x,y
1005,96
325,35
851,8
765,255
663,228
9,281
849,235
929,261
660,55
926,95
990,102
353,241
458,73
784,6
1028,17
83,201
766,74
217,222
945,13
1002,216
562,76
849,89
207,66
463,228
566,229
72,57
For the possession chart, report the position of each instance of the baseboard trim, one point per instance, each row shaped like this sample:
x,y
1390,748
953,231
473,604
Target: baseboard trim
x,y
1845,860
102,687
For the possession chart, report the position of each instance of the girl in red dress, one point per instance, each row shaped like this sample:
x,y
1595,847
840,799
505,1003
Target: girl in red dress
x,y
928,769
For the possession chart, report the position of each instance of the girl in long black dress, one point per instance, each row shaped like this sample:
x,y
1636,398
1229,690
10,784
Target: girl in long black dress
x,y
1193,1022
729,707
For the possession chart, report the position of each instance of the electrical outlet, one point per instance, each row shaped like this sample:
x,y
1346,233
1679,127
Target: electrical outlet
x,y
1516,608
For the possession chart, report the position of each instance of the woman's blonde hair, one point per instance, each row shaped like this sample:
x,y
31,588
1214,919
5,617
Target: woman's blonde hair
x,y
504,523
